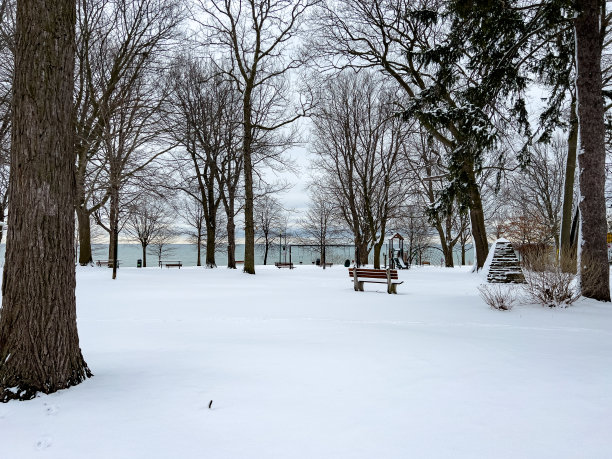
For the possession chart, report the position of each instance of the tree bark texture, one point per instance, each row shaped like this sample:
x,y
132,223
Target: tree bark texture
x,y
83,216
144,255
210,247
84,224
111,233
249,223
199,242
593,254
114,226
39,343
231,242
362,249
377,250
566,255
479,232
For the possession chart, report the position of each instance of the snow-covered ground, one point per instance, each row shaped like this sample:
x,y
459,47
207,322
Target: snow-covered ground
x,y
298,365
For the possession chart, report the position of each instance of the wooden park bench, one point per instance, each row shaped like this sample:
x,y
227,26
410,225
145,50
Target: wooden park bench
x,y
170,264
328,265
283,265
377,276
108,263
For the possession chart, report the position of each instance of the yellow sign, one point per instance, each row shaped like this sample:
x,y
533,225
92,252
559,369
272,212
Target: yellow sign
x,y
609,239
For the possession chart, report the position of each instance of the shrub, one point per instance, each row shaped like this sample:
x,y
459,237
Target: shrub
x,y
552,287
548,284
498,296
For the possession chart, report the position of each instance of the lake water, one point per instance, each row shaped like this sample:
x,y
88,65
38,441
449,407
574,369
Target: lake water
x,y
129,254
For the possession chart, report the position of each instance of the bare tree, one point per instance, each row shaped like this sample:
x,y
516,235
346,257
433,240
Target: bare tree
x,y
193,214
464,234
257,34
229,173
538,190
358,143
118,43
133,140
205,123
268,221
320,223
427,171
161,242
396,37
148,218
418,234
39,343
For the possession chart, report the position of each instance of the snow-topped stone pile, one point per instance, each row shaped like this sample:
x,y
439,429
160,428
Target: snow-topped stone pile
x,y
504,266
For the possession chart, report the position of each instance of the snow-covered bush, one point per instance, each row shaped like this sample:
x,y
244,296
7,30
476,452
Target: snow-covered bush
x,y
552,287
498,296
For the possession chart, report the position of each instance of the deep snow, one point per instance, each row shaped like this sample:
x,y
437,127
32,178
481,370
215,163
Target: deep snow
x,y
298,365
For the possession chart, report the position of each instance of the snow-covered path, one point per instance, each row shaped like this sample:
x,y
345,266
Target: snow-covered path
x,y
298,365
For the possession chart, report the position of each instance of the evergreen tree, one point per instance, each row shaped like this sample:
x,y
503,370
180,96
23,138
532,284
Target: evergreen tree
x,y
508,40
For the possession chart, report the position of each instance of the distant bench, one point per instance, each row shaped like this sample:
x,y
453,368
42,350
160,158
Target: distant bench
x,y
109,263
321,264
377,276
170,264
283,265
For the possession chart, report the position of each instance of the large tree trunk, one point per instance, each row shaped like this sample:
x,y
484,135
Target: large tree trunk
x,y
114,228
593,257
363,252
199,242
266,247
447,246
83,216
566,254
323,254
231,241
445,249
210,247
144,255
85,254
249,223
448,256
479,232
377,250
111,234
39,343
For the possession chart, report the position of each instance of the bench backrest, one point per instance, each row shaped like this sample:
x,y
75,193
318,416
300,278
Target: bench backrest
x,y
373,273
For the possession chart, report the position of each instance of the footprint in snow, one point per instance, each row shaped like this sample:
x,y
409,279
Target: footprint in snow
x,y
50,409
43,443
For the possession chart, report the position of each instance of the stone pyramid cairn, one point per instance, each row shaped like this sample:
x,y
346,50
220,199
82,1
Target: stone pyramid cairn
x,y
504,267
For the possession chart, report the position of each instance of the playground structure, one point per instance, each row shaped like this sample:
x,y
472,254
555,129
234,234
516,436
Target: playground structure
x,y
397,258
